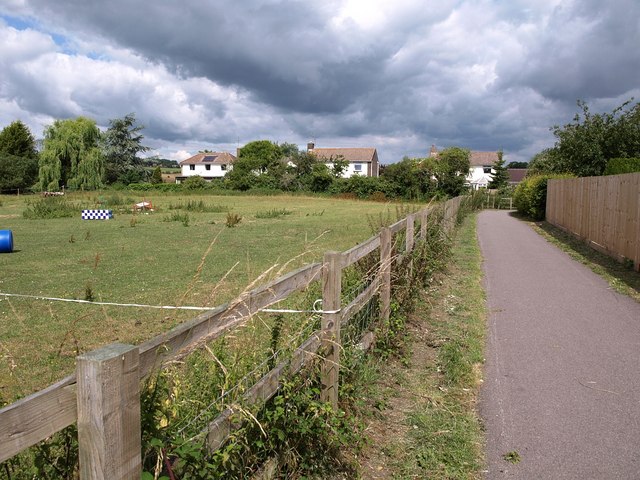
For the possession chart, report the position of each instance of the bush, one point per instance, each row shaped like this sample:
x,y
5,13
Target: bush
x,y
530,196
51,207
616,166
194,183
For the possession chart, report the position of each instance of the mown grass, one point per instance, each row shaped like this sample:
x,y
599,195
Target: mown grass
x,y
427,426
142,259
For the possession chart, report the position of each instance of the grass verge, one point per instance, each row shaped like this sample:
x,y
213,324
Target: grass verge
x,y
426,424
622,278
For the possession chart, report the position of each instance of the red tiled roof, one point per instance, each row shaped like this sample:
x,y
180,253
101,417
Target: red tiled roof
x,y
349,154
210,158
516,175
479,159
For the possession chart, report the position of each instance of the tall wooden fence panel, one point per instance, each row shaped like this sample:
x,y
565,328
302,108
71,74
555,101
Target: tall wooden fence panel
x,y
602,211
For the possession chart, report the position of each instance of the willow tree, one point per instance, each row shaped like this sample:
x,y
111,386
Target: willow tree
x,y
71,156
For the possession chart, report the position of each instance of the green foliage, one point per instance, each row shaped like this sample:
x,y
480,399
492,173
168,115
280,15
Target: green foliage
x,y
501,177
585,145
530,196
518,165
71,156
16,139
156,177
146,187
360,186
195,182
451,168
121,144
616,166
260,164
17,173
273,213
409,179
50,207
199,206
178,217
339,165
233,219
321,178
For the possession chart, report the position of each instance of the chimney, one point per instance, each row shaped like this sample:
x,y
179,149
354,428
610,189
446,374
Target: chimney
x,y
310,147
433,152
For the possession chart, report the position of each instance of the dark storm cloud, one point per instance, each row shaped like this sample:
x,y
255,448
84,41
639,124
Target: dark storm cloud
x,y
285,53
587,50
481,74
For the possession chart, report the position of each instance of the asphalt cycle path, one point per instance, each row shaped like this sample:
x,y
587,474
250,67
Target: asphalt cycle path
x,y
561,391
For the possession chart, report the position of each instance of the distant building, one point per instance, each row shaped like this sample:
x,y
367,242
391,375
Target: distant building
x,y
516,175
481,170
362,161
207,165
481,167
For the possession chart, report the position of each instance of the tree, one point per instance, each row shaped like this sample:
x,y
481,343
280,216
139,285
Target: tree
x,y
542,162
18,158
121,144
585,145
450,168
16,139
156,177
518,165
260,164
70,156
339,165
410,178
500,179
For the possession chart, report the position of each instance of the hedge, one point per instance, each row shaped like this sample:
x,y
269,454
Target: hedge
x,y
530,197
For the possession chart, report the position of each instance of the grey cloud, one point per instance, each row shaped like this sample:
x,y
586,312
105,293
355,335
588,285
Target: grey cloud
x,y
588,50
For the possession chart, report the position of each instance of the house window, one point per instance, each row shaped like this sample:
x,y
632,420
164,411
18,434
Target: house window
x,y
357,167
192,167
223,167
486,169
207,167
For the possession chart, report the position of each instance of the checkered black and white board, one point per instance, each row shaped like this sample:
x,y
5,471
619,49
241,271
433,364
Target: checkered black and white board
x,y
97,214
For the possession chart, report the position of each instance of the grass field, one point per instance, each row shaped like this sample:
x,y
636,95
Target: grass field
x,y
182,253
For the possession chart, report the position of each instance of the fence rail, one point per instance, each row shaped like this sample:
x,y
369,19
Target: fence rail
x,y
103,396
602,211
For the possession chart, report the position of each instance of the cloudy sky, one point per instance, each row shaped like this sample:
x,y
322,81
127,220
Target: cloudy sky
x,y
396,75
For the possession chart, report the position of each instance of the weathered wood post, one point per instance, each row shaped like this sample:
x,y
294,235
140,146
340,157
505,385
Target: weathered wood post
x,y
109,438
423,224
331,289
385,274
410,233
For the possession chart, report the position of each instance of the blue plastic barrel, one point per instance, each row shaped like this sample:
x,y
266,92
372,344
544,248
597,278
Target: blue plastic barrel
x,y
6,241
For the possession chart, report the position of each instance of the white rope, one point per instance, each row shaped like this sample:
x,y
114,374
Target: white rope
x,y
161,307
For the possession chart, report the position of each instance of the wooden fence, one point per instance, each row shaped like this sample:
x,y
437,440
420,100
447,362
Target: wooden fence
x,y
602,211
103,395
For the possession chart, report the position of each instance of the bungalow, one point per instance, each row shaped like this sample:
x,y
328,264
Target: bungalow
x,y
481,171
362,161
207,165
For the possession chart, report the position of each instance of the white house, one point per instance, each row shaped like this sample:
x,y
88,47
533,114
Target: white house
x,y
362,161
207,165
481,171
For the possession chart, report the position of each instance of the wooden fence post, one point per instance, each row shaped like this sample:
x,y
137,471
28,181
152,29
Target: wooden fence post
x,y
385,274
331,289
109,438
423,224
410,233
